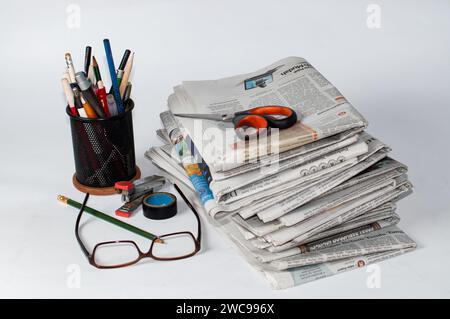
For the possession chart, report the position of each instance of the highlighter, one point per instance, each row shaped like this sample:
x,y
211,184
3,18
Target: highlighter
x,y
85,86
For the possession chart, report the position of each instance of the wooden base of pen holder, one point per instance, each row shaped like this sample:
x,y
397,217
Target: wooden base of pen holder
x,y
103,151
100,190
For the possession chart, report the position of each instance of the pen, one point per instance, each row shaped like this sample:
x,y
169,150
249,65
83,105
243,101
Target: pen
x,y
87,59
122,65
112,72
78,104
101,90
101,94
88,93
126,75
126,95
110,219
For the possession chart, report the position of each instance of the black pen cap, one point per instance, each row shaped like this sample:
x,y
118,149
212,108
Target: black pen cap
x,y
125,57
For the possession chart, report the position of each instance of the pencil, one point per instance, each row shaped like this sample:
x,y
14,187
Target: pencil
x,y
70,68
98,77
110,219
69,96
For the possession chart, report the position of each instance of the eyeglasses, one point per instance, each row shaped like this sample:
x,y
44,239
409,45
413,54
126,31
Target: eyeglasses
x,y
122,253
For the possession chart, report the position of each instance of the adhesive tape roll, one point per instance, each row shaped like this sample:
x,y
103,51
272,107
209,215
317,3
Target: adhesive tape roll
x,y
160,205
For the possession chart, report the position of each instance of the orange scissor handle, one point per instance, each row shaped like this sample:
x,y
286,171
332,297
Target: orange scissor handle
x,y
263,117
255,121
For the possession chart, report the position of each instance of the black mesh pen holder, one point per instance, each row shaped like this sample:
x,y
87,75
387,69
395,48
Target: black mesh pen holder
x,y
103,151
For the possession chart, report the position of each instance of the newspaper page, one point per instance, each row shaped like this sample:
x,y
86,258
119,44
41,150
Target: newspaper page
x,y
381,240
295,276
304,172
347,215
286,234
335,199
267,161
379,212
321,109
301,275
279,209
225,186
362,221
264,255
171,166
271,212
281,279
319,205
385,165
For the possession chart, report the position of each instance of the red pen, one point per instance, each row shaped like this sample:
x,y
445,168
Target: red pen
x,y
101,94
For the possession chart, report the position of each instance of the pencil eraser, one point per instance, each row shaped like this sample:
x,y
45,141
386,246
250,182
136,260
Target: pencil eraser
x,y
124,185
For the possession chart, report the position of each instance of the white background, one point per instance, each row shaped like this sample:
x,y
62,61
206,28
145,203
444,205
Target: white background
x,y
397,76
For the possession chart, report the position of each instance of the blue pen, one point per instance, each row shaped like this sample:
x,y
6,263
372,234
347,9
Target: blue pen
x,y
112,72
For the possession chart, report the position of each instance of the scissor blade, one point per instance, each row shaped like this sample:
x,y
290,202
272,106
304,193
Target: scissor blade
x,y
213,117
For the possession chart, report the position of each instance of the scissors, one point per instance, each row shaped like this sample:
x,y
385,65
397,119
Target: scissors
x,y
259,118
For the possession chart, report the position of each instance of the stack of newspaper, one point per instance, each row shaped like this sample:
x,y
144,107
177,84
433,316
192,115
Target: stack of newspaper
x,y
301,203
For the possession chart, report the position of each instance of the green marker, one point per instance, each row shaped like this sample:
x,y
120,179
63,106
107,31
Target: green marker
x,y
109,219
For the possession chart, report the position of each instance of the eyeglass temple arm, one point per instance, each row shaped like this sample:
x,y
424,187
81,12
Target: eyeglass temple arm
x,y
199,230
77,226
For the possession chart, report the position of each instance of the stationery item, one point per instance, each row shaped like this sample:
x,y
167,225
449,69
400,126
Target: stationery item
x,y
88,93
101,95
133,189
159,205
70,68
126,75
128,208
87,108
91,77
98,76
112,71
109,219
112,107
127,94
259,118
69,96
77,101
87,59
103,148
66,76
122,65
103,152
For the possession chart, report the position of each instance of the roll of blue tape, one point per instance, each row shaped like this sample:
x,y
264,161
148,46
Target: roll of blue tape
x,y
159,205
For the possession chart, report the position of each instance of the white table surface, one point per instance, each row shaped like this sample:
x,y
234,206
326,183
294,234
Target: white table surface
x,y
398,76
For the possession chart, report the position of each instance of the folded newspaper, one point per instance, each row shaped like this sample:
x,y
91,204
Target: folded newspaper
x,y
301,203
